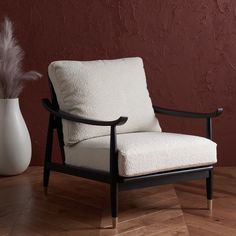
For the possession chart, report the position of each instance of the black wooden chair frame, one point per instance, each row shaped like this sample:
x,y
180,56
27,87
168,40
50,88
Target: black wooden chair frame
x,y
118,183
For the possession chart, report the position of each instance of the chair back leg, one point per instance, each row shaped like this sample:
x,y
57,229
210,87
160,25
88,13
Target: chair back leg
x,y
48,154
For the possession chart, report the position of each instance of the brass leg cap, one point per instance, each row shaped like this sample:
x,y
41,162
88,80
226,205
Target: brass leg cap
x,y
209,204
114,222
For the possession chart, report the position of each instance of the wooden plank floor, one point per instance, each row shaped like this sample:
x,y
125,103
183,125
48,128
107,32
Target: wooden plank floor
x,y
75,206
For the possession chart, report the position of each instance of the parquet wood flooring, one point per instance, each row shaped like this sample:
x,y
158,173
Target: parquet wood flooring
x,y
75,206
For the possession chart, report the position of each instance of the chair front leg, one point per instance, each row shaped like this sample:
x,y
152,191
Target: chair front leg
x,y
114,203
209,189
114,176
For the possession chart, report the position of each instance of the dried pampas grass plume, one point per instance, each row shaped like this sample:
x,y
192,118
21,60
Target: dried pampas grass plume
x,y
12,77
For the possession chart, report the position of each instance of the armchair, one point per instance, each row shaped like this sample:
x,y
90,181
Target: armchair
x,y
126,152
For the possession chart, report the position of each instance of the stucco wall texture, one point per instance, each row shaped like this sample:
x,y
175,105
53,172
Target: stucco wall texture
x,y
188,47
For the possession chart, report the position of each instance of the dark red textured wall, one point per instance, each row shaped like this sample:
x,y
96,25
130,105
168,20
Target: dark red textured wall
x,y
188,47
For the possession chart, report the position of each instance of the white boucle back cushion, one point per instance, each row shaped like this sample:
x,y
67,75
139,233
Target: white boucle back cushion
x,y
102,90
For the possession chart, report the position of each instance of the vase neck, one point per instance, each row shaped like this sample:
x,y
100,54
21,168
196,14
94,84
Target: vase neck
x,y
9,103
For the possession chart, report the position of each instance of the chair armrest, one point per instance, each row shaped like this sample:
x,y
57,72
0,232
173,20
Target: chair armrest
x,y
67,116
171,112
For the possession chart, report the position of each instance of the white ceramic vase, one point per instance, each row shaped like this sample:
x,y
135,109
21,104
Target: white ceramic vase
x,y
15,143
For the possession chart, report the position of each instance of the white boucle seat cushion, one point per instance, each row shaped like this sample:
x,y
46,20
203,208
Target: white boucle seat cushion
x,y
103,90
144,152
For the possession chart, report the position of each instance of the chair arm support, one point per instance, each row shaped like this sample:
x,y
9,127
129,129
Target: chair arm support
x,y
188,114
67,116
